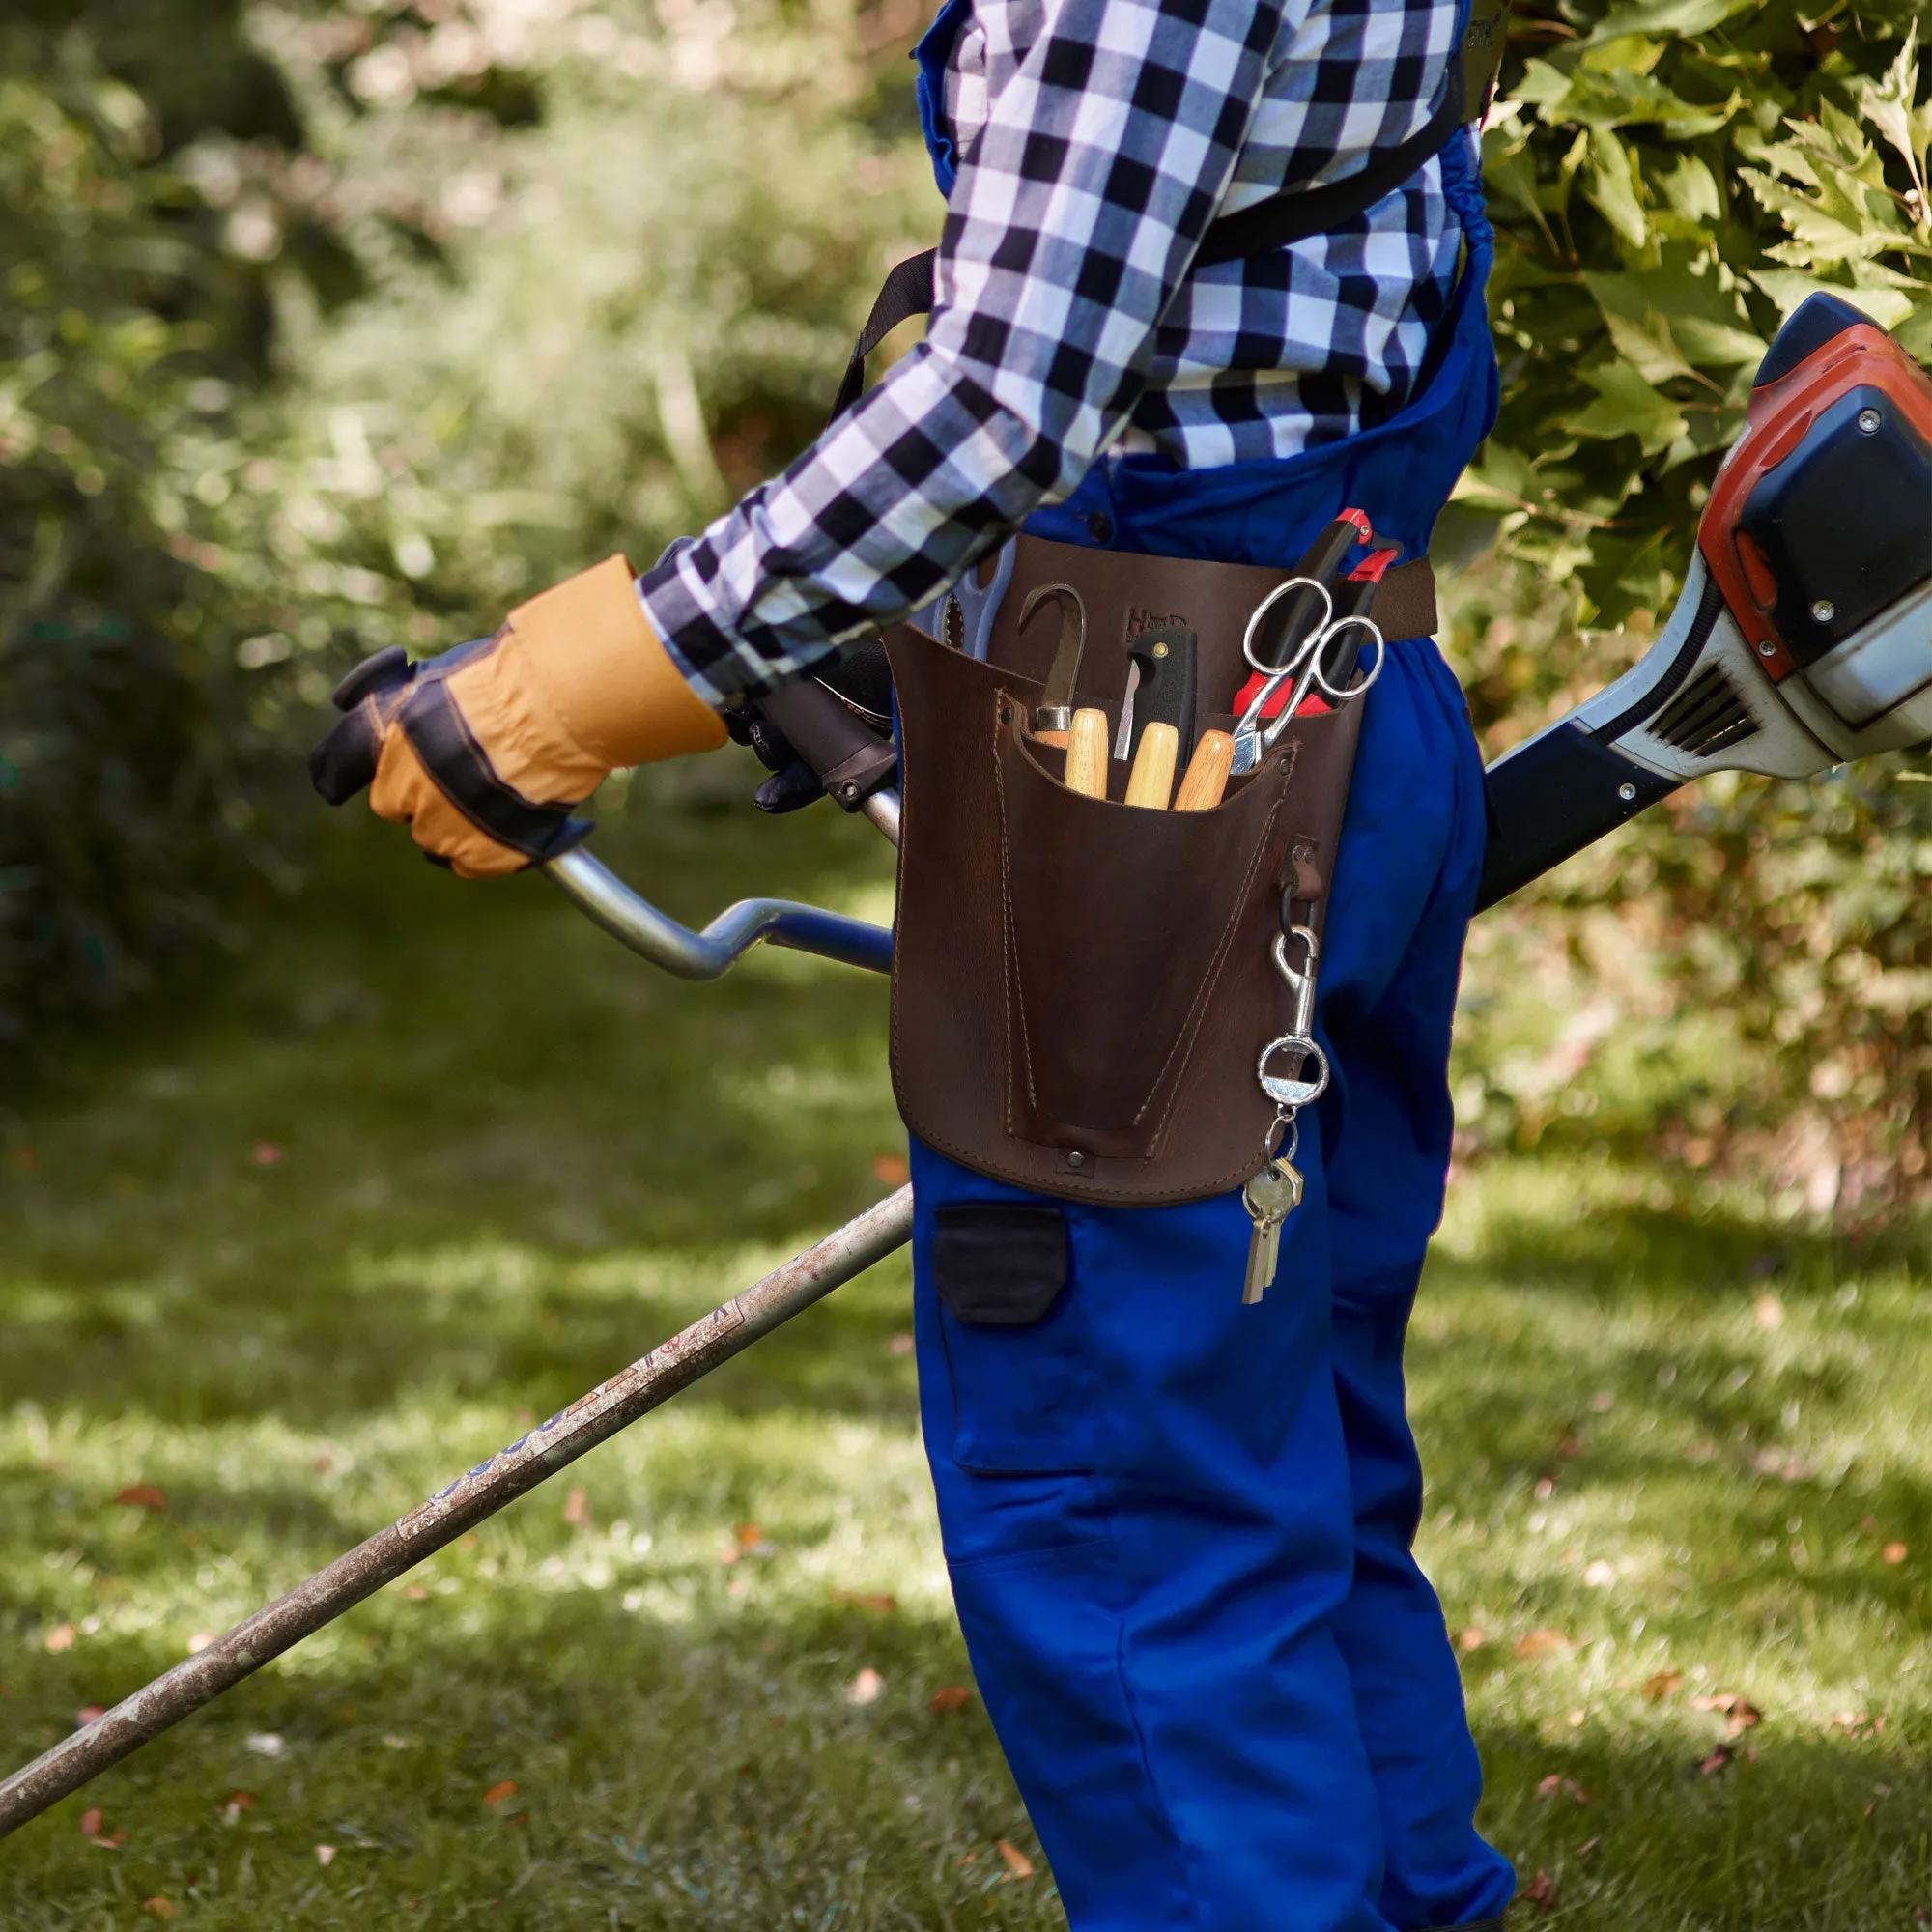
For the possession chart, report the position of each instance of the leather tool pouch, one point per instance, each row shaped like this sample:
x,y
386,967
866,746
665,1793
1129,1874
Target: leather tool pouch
x,y
1080,988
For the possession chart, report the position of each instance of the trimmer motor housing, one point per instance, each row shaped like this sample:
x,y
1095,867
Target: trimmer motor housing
x,y
1804,635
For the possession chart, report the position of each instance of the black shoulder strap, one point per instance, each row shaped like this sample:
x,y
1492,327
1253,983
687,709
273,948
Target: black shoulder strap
x,y
907,293
1296,213
1291,216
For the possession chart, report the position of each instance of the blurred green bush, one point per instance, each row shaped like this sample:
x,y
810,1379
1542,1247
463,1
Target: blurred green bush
x,y
131,777
368,320
1669,179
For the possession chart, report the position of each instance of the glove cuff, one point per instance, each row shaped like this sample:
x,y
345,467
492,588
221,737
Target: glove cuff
x,y
592,659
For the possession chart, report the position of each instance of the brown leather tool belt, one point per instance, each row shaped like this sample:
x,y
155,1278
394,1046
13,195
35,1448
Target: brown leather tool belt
x,y
1080,988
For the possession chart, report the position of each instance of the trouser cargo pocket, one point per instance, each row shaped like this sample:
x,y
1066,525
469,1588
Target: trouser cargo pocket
x,y
1018,1358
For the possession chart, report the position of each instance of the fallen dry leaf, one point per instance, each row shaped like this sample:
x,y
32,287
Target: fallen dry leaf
x,y
866,1689
1656,1688
1739,1712
1768,1311
1893,1553
1540,1891
948,1697
61,1638
324,1855
141,1496
879,1603
576,1509
1541,1643
498,1793
1471,1639
1557,1785
161,1908
889,1170
90,1828
1856,1724
264,1154
1013,1859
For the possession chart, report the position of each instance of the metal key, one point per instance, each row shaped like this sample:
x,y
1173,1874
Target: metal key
x,y
1270,1197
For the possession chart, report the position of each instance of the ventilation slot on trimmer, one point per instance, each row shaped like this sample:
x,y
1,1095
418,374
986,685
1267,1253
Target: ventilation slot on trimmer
x,y
1704,717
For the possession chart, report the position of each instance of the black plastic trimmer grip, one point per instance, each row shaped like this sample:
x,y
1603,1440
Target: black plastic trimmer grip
x,y
852,762
1560,793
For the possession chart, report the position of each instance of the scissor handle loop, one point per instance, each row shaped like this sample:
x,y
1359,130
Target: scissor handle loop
x,y
1347,694
1267,604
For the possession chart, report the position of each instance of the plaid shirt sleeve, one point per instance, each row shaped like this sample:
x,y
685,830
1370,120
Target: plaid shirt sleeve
x,y
1112,131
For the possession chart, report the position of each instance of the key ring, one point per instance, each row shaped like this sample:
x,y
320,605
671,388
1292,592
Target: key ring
x,y
1266,603
1273,1150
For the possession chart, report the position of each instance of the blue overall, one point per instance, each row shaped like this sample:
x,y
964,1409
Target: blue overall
x,y
1178,1529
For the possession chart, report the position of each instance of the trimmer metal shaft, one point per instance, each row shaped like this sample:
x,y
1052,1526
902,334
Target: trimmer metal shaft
x,y
530,1459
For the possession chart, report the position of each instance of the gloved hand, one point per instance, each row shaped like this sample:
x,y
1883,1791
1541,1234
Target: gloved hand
x,y
484,751
860,677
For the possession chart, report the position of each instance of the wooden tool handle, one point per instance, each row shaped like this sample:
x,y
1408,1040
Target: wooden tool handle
x,y
1151,782
1206,773
1087,753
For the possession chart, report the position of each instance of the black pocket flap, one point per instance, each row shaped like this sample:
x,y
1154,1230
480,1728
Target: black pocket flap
x,y
999,1263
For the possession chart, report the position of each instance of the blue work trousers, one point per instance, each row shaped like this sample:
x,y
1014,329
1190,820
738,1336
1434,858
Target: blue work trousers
x,y
1178,1527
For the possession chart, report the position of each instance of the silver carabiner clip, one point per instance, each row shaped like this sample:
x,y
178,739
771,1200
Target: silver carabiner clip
x,y
1301,985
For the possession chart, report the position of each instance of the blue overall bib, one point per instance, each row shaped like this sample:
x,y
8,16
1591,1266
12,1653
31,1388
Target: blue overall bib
x,y
1178,1529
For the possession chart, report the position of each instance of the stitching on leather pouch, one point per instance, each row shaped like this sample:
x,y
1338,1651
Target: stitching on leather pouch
x,y
1192,1025
1010,978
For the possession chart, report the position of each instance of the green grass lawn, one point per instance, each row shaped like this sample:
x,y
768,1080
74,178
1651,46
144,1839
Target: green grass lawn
x,y
427,1160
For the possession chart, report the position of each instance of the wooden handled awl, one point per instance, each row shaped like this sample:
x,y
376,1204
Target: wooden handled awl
x,y
1087,753
1206,773
1151,782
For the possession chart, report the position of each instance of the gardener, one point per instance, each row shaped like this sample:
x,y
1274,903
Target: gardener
x,y
1178,1529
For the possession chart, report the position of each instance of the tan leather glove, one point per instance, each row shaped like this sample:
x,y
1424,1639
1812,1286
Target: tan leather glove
x,y
484,751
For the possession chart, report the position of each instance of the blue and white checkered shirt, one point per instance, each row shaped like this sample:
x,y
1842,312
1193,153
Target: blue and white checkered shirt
x,y
1098,140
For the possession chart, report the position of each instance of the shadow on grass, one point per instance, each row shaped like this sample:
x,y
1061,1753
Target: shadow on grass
x,y
716,1773
1693,1253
